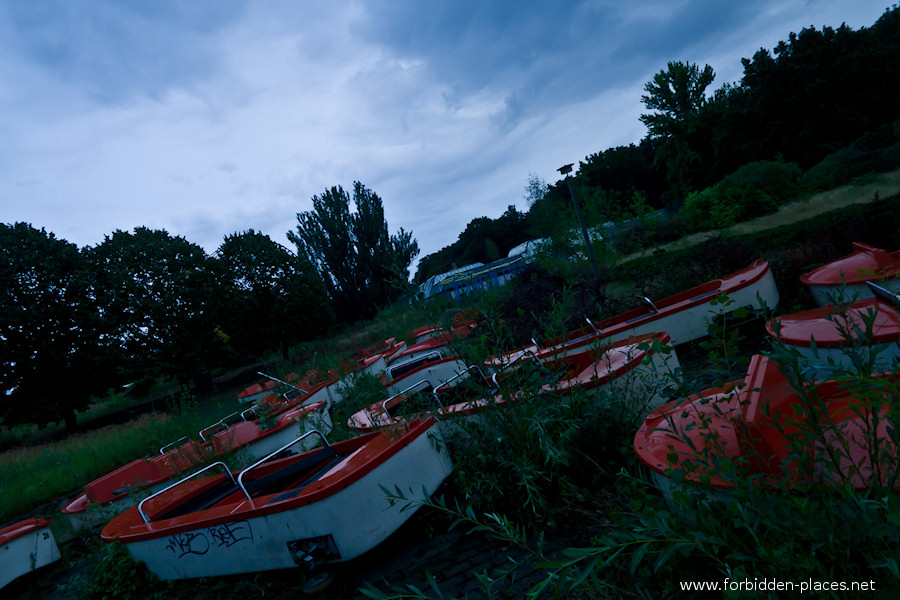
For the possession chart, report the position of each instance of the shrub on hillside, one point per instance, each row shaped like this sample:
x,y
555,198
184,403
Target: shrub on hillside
x,y
877,152
754,190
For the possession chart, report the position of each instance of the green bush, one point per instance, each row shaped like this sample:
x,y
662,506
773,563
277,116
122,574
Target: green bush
x,y
754,190
876,152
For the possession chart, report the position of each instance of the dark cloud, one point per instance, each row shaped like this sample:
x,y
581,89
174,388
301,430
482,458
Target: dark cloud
x,y
118,50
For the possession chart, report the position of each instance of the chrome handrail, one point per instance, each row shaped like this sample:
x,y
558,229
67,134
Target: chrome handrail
x,y
882,293
525,353
457,376
594,327
240,478
460,374
179,482
649,303
413,386
302,391
222,423
165,448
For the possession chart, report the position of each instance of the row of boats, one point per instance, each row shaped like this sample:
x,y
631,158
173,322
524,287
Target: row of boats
x,y
302,500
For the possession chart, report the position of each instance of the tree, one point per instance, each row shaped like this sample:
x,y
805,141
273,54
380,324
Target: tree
x,y
155,293
676,93
362,266
535,190
272,298
51,363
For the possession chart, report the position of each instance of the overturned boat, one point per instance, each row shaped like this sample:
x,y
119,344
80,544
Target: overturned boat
x,y
862,336
329,504
761,428
844,280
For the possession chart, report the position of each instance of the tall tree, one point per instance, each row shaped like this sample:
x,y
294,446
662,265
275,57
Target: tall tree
x,y
50,363
676,94
155,293
271,298
362,265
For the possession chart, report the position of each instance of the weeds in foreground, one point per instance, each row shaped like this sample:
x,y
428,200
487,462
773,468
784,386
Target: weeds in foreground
x,y
823,513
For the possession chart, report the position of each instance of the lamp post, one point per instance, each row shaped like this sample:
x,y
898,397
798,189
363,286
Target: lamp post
x,y
595,269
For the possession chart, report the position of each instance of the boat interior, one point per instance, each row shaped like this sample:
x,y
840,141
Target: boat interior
x,y
277,481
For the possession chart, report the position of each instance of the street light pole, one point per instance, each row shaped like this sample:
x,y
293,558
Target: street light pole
x,y
595,268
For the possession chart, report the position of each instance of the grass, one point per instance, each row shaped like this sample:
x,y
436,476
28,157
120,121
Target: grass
x,y
41,473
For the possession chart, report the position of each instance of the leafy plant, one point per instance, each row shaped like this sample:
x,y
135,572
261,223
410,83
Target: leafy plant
x,y
116,576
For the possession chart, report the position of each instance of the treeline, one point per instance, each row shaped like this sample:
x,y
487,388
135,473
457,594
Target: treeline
x,y
146,306
817,111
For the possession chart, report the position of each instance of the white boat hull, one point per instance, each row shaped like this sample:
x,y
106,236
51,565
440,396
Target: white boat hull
x,y
849,293
436,374
826,362
693,322
353,521
98,514
26,553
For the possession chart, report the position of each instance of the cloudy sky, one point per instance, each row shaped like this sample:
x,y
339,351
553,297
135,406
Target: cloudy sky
x,y
208,118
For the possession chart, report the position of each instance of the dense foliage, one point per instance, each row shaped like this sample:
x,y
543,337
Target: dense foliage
x,y
271,299
364,267
50,347
138,308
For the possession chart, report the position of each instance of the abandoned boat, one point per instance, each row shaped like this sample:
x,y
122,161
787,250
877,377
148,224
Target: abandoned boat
x,y
864,335
636,368
329,504
844,280
118,490
685,316
759,427
24,547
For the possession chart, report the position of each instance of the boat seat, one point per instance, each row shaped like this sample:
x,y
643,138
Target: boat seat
x,y
295,489
201,501
256,487
276,480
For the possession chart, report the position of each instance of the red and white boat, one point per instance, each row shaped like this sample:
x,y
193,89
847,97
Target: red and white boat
x,y
24,547
844,280
326,505
463,323
256,392
751,423
435,369
685,316
831,336
118,490
373,361
631,368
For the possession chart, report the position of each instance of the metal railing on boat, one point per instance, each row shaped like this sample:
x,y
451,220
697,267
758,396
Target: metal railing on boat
x,y
455,377
515,363
179,482
166,448
649,303
240,477
384,405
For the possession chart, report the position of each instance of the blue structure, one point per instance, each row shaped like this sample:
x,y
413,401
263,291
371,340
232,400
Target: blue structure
x,y
477,276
